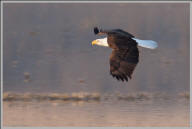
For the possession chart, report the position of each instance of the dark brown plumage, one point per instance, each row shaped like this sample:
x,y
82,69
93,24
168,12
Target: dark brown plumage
x,y
125,54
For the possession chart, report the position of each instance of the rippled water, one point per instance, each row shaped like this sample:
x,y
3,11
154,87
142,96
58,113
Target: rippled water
x,y
47,47
162,111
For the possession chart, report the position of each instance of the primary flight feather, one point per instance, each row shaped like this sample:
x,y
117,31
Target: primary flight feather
x,y
125,54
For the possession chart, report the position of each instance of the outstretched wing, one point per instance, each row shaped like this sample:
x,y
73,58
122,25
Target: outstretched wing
x,y
114,31
123,63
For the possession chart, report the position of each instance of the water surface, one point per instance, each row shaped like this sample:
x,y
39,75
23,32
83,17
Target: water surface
x,y
159,111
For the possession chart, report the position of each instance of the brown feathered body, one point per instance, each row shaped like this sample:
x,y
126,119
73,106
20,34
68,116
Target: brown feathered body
x,y
125,54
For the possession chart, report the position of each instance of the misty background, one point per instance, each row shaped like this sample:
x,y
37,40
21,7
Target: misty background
x,y
51,44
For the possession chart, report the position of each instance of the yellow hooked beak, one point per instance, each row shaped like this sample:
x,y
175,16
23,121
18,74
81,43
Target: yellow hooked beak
x,y
94,42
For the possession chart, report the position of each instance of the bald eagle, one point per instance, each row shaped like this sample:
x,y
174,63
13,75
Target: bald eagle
x,y
125,54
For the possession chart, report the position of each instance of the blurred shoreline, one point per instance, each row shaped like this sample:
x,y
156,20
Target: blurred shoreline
x,y
86,96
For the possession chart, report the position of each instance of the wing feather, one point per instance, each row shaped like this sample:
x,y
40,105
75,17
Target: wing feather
x,y
113,31
123,63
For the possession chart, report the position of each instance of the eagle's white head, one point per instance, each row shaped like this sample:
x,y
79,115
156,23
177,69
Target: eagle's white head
x,y
100,42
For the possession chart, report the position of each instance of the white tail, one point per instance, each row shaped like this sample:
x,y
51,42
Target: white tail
x,y
146,43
